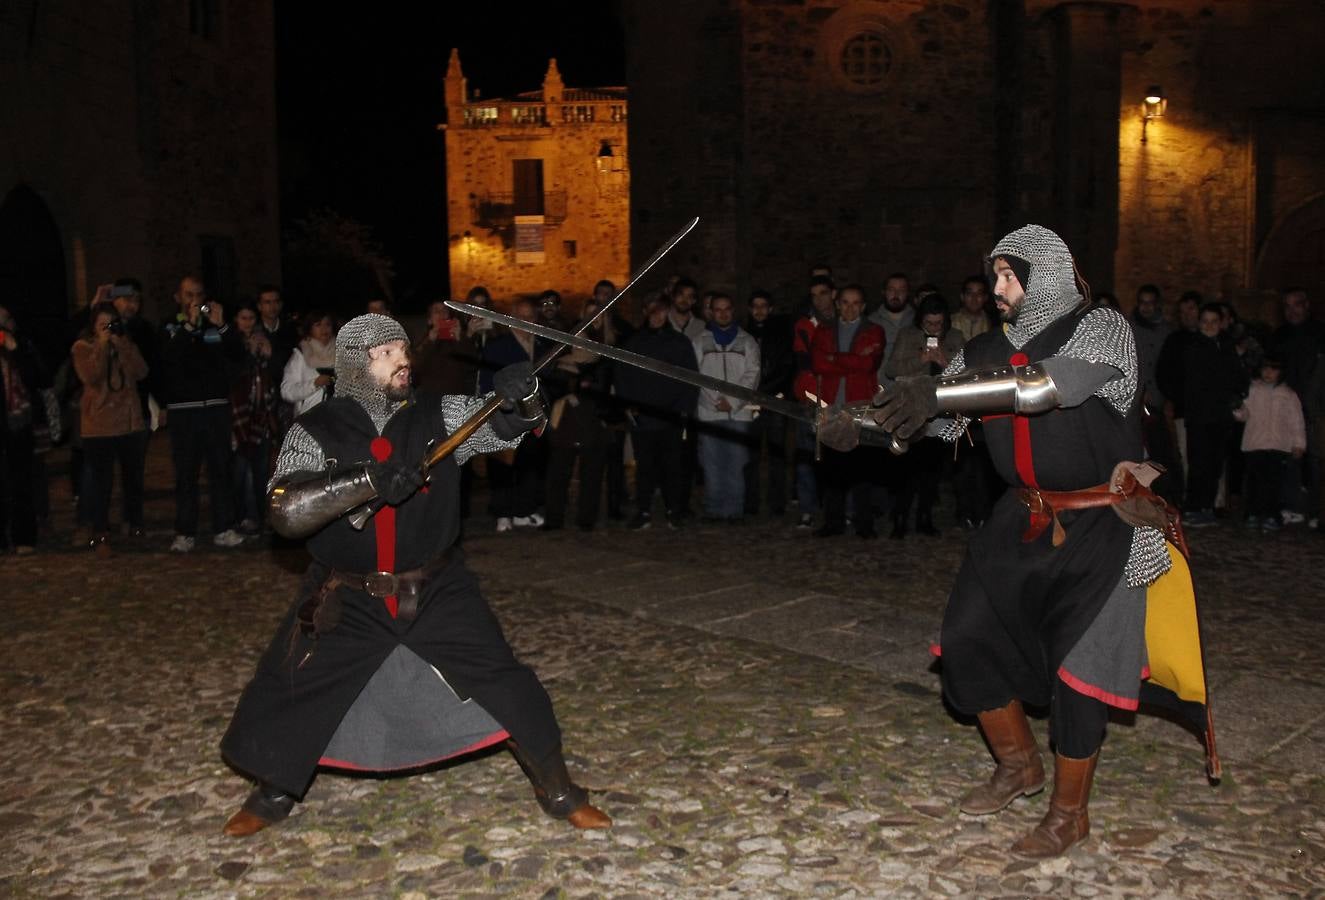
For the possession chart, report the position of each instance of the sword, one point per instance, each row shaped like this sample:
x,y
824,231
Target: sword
x,y
466,429
839,427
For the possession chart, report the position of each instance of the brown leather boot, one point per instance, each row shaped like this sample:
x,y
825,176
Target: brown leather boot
x,y
1066,822
265,806
1020,770
560,797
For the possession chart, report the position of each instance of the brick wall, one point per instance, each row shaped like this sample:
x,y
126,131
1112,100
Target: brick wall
x,y
479,163
991,115
141,136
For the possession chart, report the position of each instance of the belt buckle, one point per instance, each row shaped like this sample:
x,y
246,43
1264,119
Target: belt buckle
x,y
381,584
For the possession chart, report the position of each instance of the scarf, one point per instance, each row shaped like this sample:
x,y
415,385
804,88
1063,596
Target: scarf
x,y
723,336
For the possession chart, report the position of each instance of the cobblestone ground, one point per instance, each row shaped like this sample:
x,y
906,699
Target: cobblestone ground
x,y
756,709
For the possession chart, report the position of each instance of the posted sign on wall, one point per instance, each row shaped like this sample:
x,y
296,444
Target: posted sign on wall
x,y
528,239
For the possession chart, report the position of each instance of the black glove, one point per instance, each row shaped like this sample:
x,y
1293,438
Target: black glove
x,y
905,407
514,383
394,481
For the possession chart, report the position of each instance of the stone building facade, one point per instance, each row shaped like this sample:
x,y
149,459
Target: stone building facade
x,y
538,188
138,138
909,134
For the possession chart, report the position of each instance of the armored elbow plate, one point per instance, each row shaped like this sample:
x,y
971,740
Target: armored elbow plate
x,y
301,508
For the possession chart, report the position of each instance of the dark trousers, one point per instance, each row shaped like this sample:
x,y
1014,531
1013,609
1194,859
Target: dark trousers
x,y
615,467
198,436
661,461
561,464
1076,722
1206,446
252,469
101,454
768,439
1163,450
972,475
517,487
18,511
922,465
1267,473
851,473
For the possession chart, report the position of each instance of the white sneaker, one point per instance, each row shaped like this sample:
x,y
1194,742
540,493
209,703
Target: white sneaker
x,y
181,544
533,520
1292,518
504,524
806,521
228,538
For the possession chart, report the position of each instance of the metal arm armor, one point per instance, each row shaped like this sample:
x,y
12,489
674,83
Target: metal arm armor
x,y
1025,390
301,507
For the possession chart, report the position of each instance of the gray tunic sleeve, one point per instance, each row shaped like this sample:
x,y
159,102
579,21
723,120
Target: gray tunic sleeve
x,y
1099,359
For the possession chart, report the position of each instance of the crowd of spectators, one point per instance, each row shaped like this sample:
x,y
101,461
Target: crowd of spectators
x,y
1234,414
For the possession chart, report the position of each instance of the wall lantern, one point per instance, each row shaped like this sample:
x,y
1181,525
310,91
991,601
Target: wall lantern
x,y
605,157
1153,106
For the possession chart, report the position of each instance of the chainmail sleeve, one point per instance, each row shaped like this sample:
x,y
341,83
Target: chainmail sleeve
x,y
456,408
951,429
1103,336
299,453
1149,557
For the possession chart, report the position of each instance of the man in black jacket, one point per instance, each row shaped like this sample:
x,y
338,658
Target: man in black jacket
x,y
777,366
659,411
197,355
1213,383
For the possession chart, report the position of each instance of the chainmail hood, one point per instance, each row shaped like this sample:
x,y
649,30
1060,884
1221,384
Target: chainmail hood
x,y
355,339
1051,287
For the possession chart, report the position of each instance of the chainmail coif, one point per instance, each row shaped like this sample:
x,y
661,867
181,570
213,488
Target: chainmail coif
x,y
355,339
1051,290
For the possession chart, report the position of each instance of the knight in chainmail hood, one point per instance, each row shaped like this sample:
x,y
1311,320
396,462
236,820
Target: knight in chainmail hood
x,y
416,669
1044,267
1049,606
353,379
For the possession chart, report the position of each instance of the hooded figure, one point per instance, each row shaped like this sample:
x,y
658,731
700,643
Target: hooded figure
x,y
1050,604
389,658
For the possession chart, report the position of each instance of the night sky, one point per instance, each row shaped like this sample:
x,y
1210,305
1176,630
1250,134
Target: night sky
x,y
359,98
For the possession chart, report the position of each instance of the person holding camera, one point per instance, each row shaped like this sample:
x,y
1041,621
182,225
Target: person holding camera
x,y
198,355
309,376
925,349
446,360
111,367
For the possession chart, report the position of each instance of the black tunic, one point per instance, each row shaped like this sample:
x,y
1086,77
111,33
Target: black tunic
x,y
1018,607
289,711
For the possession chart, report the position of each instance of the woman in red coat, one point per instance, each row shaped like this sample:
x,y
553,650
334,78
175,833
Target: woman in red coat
x,y
845,357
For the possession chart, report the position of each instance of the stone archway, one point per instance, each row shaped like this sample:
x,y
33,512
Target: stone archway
x,y
1294,251
32,271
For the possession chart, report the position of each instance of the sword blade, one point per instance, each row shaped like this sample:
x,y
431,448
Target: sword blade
x,y
788,408
359,518
639,273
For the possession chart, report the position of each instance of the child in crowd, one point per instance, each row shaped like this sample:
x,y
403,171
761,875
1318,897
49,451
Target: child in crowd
x,y
1275,433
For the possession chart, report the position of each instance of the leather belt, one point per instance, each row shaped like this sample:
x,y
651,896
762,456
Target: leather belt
x,y
404,586
1134,502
